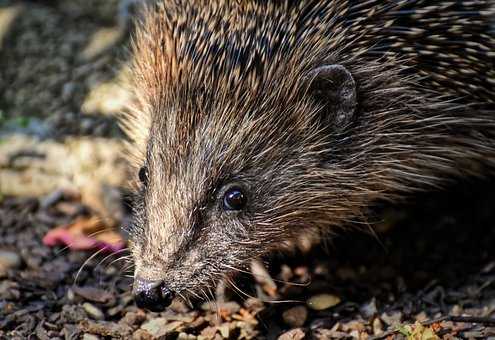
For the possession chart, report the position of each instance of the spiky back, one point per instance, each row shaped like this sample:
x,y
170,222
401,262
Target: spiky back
x,y
404,54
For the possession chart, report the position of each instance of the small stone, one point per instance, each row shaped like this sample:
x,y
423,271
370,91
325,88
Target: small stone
x,y
105,329
70,295
224,330
322,301
353,326
354,334
377,326
393,319
8,260
295,316
161,326
133,318
141,334
88,336
185,336
293,334
93,311
225,308
369,309
93,294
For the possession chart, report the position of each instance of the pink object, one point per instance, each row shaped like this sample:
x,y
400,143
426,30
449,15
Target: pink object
x,y
63,236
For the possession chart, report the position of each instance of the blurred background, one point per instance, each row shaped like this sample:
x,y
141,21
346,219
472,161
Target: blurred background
x,y
61,62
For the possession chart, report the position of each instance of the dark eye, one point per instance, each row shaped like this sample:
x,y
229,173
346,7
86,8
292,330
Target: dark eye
x,y
234,199
143,175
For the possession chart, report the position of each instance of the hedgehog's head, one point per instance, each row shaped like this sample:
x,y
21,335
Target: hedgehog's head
x,y
226,180
235,154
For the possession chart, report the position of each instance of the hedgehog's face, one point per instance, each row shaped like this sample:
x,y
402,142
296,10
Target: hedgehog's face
x,y
218,189
196,222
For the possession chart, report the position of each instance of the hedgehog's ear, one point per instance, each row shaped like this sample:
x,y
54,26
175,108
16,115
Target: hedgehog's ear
x,y
334,87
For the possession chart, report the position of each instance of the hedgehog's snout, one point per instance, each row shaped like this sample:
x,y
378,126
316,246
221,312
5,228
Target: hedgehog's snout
x,y
152,295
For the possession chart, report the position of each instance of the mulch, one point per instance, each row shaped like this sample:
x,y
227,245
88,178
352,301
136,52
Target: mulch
x,y
431,269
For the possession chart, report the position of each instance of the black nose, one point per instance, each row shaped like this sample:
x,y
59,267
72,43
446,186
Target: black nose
x,y
152,295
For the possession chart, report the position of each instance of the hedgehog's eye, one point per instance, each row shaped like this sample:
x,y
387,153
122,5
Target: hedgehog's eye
x,y
143,175
234,199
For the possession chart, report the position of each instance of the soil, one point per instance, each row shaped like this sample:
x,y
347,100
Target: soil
x,y
426,272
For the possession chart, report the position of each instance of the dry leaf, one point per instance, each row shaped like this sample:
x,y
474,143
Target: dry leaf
x,y
85,234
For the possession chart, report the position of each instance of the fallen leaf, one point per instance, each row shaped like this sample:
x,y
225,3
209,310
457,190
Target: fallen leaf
x,y
85,234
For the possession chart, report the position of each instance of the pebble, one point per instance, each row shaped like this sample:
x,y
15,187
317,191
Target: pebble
x,y
93,294
133,318
8,260
185,336
393,319
369,309
377,326
295,316
93,311
226,308
160,326
322,301
88,336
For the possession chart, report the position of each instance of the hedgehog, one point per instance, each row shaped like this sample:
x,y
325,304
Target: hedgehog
x,y
257,123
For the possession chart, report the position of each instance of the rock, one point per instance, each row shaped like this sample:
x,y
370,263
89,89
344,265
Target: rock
x,y
133,318
393,319
8,260
105,329
295,316
377,326
185,336
93,294
88,336
293,334
369,309
225,308
141,334
322,301
93,311
160,327
72,314
224,330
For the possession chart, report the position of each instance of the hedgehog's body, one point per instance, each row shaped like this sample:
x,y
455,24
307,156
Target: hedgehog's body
x,y
311,110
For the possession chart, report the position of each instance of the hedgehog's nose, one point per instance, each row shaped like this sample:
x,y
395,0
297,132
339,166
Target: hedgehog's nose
x,y
152,295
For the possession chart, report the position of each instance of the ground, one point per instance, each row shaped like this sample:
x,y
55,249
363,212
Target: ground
x,y
427,271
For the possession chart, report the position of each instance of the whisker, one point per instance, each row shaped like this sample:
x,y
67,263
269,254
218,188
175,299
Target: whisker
x,y
85,263
110,255
193,293
290,283
186,300
264,301
126,257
